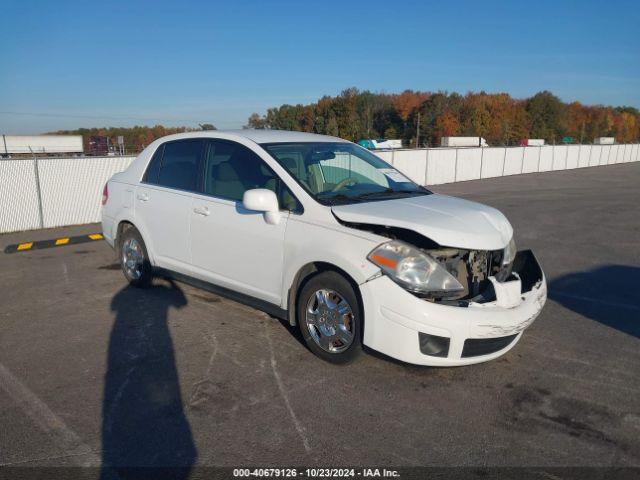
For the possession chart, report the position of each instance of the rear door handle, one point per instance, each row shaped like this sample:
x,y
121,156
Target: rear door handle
x,y
204,211
143,197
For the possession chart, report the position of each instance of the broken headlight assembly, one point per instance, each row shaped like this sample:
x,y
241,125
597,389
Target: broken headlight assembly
x,y
414,270
508,256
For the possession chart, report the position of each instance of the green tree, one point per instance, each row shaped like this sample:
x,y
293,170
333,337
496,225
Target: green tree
x,y
546,116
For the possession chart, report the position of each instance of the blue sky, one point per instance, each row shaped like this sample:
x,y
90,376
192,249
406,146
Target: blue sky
x,y
73,64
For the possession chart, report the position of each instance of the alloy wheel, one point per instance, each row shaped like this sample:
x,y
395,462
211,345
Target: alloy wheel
x,y
330,321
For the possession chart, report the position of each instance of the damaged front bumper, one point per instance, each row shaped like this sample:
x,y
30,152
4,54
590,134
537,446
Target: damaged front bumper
x,y
418,331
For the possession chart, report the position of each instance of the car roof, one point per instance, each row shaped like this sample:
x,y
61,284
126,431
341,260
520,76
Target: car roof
x,y
138,166
258,136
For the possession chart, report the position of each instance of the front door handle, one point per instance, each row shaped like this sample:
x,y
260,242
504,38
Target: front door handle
x,y
143,197
204,211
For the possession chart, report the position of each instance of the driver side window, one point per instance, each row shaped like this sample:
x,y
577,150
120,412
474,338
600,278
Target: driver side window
x,y
230,169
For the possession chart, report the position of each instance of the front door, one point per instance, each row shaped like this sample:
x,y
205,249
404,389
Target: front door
x,y
231,246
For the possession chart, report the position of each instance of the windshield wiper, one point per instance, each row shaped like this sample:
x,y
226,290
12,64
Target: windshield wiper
x,y
341,197
387,191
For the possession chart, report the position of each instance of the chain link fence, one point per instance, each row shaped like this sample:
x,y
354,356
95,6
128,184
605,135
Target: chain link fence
x,y
53,192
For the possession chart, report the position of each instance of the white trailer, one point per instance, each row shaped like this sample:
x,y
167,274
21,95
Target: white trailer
x,y
533,142
387,143
463,142
604,141
379,144
29,144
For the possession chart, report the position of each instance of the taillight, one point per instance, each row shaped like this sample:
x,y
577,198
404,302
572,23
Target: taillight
x,y
105,194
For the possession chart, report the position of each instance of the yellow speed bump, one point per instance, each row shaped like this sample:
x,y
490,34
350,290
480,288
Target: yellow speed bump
x,y
54,242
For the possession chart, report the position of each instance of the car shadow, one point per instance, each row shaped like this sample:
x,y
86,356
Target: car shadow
x,y
608,294
145,433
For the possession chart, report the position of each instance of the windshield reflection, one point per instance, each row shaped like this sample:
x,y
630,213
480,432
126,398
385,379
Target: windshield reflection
x,y
341,172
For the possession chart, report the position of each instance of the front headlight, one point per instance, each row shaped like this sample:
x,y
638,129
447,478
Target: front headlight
x,y
413,269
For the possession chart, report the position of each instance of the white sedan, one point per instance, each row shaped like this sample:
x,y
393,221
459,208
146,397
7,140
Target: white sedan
x,y
323,233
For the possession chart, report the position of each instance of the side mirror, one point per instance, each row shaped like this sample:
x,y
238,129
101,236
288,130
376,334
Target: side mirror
x,y
263,200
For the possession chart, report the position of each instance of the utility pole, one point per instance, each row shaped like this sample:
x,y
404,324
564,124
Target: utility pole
x,y
418,132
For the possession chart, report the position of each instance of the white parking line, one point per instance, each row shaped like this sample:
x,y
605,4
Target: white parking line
x,y
285,396
61,435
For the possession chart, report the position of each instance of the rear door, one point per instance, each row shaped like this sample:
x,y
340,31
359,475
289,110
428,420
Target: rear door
x,y
234,247
163,201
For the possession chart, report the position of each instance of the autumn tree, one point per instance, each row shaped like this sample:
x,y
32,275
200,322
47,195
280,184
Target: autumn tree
x,y
430,110
135,138
446,125
355,114
406,102
499,118
626,124
256,121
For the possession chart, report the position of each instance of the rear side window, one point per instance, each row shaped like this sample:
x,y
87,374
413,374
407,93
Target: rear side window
x,y
180,164
151,175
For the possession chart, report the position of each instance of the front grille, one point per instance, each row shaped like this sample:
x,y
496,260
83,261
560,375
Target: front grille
x,y
474,347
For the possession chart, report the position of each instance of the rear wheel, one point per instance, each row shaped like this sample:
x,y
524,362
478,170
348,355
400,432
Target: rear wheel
x,y
330,318
134,259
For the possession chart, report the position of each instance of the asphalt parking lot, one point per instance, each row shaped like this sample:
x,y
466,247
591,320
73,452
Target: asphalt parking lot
x,y
93,371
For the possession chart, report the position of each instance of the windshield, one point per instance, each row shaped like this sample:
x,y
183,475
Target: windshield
x,y
339,173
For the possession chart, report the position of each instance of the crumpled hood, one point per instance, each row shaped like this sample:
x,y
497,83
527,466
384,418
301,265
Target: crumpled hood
x,y
448,221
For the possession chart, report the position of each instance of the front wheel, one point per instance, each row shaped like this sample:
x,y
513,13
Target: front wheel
x,y
330,318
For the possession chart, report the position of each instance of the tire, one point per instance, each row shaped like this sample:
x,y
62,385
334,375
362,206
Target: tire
x,y
330,318
134,259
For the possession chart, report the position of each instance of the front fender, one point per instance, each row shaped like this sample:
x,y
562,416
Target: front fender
x,y
340,246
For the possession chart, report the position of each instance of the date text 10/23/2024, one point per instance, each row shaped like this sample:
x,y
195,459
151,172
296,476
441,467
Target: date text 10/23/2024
x,y
315,473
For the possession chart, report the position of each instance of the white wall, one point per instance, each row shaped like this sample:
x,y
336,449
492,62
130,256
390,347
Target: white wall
x,y
441,166
513,160
412,164
434,166
468,163
492,160
70,189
